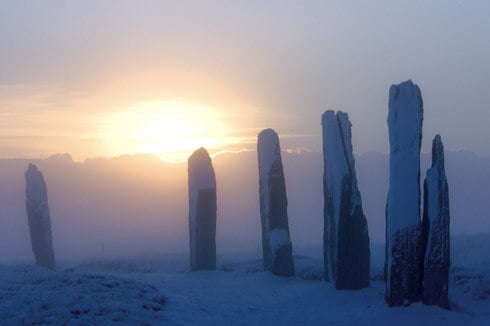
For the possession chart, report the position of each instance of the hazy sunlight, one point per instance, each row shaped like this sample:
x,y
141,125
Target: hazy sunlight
x,y
170,129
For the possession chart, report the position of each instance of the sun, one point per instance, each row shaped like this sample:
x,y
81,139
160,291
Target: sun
x,y
170,129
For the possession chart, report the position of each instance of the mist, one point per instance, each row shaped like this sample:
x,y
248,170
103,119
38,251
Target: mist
x,y
137,205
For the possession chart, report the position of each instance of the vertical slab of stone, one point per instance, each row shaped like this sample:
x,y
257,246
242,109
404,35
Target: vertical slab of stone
x,y
38,218
276,243
202,211
435,231
346,238
403,245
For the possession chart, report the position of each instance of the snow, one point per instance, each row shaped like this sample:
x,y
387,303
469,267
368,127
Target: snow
x,y
239,293
273,206
269,151
405,117
339,164
31,295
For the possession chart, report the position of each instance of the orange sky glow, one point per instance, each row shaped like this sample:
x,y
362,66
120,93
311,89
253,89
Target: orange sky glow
x,y
138,113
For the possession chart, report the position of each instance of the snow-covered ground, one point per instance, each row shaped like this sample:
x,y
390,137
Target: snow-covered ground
x,y
160,290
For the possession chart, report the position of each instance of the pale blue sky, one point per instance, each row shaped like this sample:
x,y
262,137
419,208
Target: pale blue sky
x,y
276,64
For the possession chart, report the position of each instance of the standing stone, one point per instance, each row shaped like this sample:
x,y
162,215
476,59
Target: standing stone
x,y
345,238
435,231
202,211
276,243
38,218
403,245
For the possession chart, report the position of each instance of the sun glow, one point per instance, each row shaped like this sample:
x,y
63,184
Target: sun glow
x,y
170,129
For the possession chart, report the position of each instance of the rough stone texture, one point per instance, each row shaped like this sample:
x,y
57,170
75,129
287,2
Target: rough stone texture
x,y
405,270
346,237
276,242
435,231
38,218
202,211
403,247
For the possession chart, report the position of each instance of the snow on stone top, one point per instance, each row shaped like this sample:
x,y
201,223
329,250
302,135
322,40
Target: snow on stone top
x,y
405,119
268,149
269,152
405,98
201,172
201,176
345,128
336,165
333,148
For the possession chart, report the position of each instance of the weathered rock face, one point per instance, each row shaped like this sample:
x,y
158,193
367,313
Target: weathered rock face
x,y
403,245
202,211
276,243
346,237
38,218
435,231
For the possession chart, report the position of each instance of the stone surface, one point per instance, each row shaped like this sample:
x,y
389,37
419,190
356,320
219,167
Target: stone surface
x,y
276,243
403,247
38,218
346,237
435,231
202,211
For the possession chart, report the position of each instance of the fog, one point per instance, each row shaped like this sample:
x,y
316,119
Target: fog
x,y
137,205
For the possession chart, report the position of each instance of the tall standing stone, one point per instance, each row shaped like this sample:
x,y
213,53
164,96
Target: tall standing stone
x,y
435,231
202,211
38,218
403,245
276,243
346,238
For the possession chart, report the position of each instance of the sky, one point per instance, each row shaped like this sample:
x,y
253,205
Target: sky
x,y
105,78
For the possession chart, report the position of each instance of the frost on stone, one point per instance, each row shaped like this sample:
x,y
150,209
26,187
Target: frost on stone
x,y
38,218
346,239
276,243
403,248
202,211
435,231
